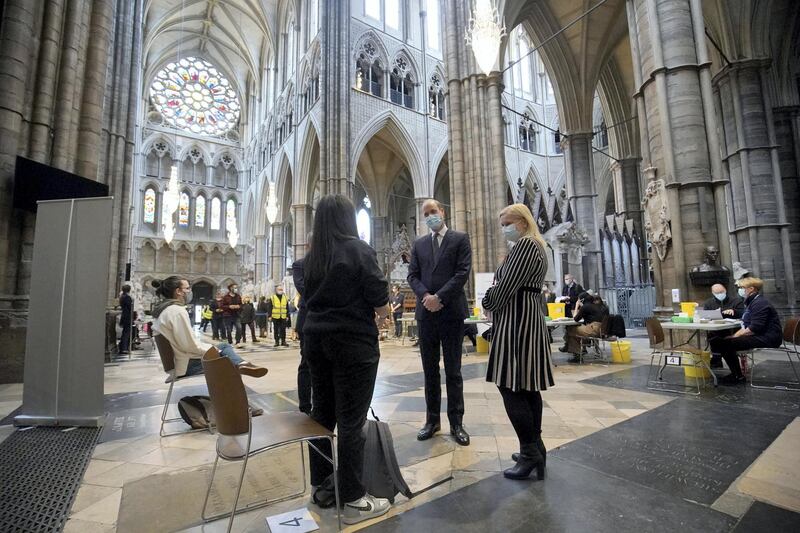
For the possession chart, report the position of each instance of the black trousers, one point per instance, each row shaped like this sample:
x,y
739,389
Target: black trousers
x,y
231,323
398,326
252,331
125,338
445,337
524,410
303,379
728,346
343,372
279,327
217,327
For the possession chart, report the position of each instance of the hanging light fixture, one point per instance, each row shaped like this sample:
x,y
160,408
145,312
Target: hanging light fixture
x,y
272,204
171,200
484,34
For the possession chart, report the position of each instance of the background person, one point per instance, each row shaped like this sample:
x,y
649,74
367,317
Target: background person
x,y
279,312
439,268
247,316
347,300
205,317
519,356
303,372
218,320
261,316
569,294
761,328
172,321
591,311
396,301
231,304
125,319
731,306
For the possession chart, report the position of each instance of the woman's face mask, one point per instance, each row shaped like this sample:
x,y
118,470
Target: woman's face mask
x,y
742,292
511,233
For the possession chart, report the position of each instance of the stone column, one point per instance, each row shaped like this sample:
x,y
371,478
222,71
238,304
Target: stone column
x,y
277,253
336,70
17,24
675,147
476,151
380,240
302,226
751,160
582,196
260,262
787,128
627,190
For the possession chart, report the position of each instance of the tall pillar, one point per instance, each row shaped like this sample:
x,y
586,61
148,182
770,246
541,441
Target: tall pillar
x,y
302,226
787,129
260,262
582,195
277,253
476,151
336,71
675,138
17,28
751,159
381,241
627,189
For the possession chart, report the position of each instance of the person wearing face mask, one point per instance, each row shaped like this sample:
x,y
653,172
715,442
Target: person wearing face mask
x,y
231,306
172,322
439,269
519,356
761,328
731,306
247,316
279,313
569,294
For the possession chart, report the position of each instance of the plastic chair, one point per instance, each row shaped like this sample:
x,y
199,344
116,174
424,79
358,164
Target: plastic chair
x,y
655,334
241,437
167,355
791,335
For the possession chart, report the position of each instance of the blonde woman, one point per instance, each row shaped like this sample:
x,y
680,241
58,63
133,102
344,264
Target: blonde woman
x,y
519,358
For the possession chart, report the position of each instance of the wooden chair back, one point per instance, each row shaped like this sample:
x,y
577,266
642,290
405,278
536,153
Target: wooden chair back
x,y
655,333
166,353
227,394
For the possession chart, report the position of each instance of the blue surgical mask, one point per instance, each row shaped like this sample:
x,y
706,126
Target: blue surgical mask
x,y
720,296
434,222
187,297
511,233
742,292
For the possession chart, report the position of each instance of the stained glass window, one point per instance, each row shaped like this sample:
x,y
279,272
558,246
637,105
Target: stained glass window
x,y
183,210
230,214
215,213
149,206
363,225
193,95
200,211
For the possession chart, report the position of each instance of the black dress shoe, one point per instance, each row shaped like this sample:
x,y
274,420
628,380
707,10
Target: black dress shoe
x,y
730,379
461,436
563,349
427,431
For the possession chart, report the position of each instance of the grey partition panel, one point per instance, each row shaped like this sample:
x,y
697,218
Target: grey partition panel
x,y
65,345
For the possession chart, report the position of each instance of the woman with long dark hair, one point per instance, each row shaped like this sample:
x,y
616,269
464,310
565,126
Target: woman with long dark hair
x,y
172,321
347,298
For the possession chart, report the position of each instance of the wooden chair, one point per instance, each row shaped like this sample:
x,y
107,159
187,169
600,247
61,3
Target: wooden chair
x,y
241,437
791,340
655,334
167,355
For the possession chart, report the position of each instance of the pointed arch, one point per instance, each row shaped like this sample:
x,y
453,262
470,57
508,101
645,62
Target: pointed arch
x,y
307,163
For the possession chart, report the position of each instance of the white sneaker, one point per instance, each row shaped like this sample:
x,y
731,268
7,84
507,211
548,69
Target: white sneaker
x,y
365,508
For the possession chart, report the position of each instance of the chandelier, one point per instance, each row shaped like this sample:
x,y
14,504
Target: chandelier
x,y
171,200
484,34
272,204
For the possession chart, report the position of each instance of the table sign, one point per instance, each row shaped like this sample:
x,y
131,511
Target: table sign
x,y
673,360
297,521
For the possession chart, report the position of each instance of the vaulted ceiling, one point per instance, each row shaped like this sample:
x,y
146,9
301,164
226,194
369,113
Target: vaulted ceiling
x,y
238,36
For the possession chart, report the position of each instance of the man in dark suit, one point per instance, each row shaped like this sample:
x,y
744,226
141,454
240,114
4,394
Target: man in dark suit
x,y
439,268
569,293
125,319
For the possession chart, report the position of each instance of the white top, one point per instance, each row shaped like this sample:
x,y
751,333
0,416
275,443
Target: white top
x,y
173,323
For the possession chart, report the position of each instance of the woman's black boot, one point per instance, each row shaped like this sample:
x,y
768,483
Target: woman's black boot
x,y
540,447
529,459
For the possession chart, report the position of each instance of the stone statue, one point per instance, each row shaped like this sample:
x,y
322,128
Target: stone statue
x,y
399,255
657,217
710,271
740,272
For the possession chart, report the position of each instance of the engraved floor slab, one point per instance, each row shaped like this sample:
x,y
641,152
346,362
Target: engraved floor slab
x,y
766,518
693,450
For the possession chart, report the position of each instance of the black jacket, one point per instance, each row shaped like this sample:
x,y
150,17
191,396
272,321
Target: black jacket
x,y
730,302
573,293
300,286
344,301
590,312
126,303
762,319
445,276
247,313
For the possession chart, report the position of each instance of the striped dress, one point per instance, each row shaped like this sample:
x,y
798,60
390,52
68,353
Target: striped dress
x,y
519,358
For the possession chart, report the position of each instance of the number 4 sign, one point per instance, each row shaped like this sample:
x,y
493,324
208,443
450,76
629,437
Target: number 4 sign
x,y
297,521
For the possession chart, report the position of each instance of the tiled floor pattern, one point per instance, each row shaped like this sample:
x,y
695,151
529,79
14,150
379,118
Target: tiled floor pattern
x,y
125,472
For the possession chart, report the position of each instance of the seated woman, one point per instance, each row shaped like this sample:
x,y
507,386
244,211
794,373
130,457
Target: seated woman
x,y
172,321
761,328
591,310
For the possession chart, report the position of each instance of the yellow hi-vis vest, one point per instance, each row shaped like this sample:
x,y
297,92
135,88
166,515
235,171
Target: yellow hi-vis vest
x,y
208,314
280,306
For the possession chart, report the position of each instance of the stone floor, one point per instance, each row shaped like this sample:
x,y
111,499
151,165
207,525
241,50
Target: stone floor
x,y
621,457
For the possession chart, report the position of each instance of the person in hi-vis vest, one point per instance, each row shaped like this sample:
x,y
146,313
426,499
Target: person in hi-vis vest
x,y
279,313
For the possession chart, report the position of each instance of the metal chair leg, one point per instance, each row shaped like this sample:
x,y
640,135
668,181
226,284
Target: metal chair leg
x,y
166,406
210,486
335,458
